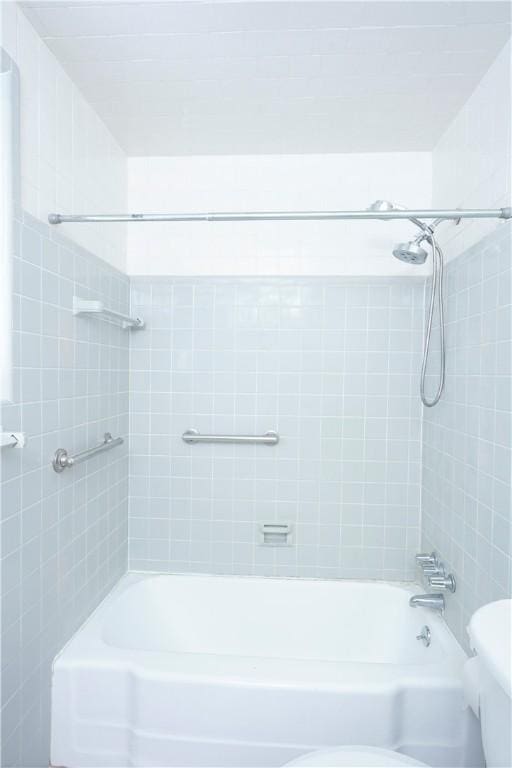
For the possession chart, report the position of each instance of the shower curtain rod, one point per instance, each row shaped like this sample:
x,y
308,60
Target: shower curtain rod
x,y
455,214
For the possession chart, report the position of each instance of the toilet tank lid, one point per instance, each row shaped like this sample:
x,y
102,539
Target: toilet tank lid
x,y
490,635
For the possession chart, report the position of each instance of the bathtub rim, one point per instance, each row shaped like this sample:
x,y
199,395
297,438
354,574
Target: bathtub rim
x,y
87,647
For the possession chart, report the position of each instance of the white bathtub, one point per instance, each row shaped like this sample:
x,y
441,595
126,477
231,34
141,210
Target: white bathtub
x,y
228,671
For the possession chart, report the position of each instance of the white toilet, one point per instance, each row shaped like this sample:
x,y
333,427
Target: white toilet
x,y
488,689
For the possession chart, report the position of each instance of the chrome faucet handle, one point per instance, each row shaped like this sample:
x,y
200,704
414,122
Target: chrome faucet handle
x,y
436,569
443,582
425,636
424,559
432,571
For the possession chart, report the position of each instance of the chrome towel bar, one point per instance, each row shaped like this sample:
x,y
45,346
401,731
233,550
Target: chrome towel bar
x,y
62,460
193,436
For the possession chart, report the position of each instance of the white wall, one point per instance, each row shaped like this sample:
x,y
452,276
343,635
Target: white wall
x,y
472,162
272,182
69,160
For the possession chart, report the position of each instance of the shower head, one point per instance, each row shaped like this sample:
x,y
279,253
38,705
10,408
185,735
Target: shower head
x,y
411,252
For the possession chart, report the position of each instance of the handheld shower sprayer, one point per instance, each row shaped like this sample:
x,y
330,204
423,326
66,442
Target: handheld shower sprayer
x,y
412,252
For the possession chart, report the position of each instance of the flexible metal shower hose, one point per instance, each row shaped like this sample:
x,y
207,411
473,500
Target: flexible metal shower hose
x,y
436,296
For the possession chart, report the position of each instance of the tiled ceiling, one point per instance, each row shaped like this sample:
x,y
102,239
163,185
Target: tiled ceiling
x,y
193,77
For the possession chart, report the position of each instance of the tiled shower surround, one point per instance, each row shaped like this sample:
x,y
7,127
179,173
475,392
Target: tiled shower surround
x,y
467,438
64,537
332,365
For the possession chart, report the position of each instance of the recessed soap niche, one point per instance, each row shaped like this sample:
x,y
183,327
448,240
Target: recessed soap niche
x,y
276,534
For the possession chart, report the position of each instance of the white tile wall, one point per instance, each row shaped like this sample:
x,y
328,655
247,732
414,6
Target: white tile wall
x,y
332,365
63,537
69,160
467,438
472,163
273,182
9,193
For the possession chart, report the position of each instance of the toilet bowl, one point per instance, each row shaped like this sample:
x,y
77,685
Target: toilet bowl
x,y
355,757
487,688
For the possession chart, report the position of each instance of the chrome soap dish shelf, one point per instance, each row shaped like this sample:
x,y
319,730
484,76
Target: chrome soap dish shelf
x,y
95,307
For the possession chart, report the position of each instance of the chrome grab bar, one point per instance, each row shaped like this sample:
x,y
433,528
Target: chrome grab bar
x,y
62,460
193,436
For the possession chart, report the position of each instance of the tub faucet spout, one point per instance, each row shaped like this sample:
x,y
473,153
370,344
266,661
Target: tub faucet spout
x,y
434,602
